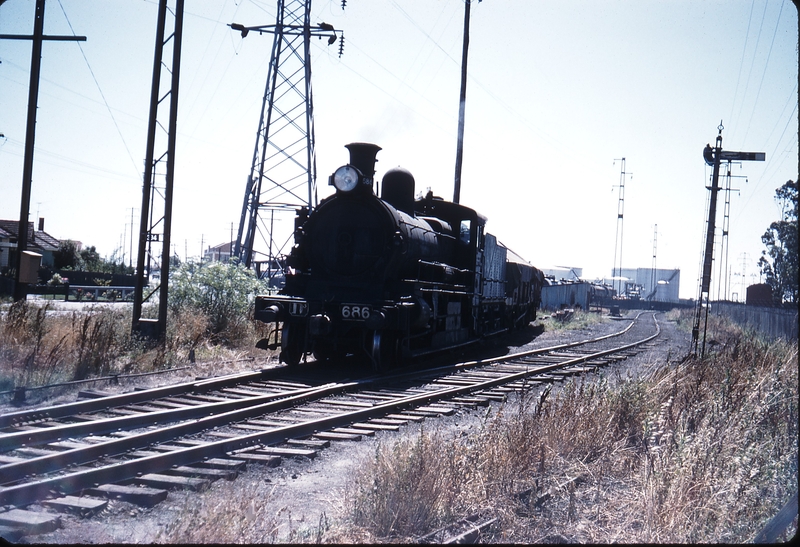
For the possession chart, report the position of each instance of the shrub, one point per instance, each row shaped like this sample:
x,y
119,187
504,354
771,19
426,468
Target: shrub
x,y
224,293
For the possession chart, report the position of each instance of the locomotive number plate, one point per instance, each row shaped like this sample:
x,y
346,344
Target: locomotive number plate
x,y
355,312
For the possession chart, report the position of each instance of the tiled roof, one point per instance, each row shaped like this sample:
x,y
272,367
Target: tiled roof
x,y
36,240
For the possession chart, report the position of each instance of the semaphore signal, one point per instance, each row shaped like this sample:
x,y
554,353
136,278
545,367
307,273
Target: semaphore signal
x,y
713,156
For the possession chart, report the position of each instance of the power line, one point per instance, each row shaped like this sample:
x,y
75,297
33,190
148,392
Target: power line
x,y
766,64
752,63
99,89
771,162
741,63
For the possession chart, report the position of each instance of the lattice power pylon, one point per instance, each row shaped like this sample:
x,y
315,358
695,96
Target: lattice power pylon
x,y
617,273
283,173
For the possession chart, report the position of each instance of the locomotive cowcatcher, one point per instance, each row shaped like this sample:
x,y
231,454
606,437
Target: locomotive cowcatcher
x,y
393,277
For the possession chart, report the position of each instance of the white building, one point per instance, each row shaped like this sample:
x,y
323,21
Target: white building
x,y
658,285
219,253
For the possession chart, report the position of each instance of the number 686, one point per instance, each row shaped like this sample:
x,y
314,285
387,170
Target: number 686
x,y
354,311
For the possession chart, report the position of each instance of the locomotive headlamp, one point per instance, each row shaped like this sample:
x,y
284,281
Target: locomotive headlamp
x,y
346,178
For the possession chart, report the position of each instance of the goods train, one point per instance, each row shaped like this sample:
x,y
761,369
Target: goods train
x,y
392,277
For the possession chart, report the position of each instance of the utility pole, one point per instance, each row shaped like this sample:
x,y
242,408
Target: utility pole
x,y
653,276
618,240
130,248
462,104
713,156
744,275
38,36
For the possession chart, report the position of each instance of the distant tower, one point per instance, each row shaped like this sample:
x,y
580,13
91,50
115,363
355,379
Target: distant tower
x,y
653,275
283,173
722,293
618,241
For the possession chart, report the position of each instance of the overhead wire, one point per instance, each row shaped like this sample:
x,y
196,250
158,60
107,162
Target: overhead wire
x,y
741,62
392,95
749,72
403,82
763,74
405,14
774,159
80,167
102,95
207,73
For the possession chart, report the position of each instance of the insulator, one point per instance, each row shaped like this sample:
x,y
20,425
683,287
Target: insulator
x,y
344,3
341,45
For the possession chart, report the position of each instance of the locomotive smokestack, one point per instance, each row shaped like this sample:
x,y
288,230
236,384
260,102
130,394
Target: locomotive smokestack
x,y
362,157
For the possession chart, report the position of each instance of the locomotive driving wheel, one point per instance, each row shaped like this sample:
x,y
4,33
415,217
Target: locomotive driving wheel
x,y
384,351
292,345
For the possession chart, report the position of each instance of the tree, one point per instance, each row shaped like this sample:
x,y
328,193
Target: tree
x,y
779,262
91,260
66,257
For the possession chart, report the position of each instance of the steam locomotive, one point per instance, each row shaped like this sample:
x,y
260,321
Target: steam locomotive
x,y
393,277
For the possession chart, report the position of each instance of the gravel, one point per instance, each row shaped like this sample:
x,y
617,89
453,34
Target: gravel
x,y
302,495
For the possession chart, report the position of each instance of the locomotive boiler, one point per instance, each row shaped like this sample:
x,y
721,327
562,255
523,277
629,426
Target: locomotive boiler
x,y
394,276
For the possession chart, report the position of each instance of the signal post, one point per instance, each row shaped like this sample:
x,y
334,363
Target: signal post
x,y
713,156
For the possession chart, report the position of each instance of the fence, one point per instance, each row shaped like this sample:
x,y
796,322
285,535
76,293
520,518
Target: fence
x,y
85,293
772,322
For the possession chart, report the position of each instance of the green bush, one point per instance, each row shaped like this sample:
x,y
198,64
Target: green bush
x,y
224,293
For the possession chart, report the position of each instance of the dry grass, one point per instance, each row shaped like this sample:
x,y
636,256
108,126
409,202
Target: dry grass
x,y
580,319
235,512
40,345
705,451
700,451
244,511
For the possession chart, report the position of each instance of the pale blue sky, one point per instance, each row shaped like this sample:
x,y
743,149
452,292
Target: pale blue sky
x,y
557,91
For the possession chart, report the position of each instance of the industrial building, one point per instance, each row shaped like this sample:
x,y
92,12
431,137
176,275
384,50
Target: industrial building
x,y
658,285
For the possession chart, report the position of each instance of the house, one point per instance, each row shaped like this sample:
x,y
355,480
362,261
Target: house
x,y
6,247
39,241
220,253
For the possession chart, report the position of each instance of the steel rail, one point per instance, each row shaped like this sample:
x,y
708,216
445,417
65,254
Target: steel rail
x,y
539,351
79,407
59,411
105,425
42,464
24,494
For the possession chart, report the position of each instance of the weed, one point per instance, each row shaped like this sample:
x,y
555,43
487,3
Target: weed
x,y
233,512
579,319
701,451
41,345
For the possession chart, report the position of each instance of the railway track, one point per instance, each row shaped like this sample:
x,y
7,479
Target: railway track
x,y
136,446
